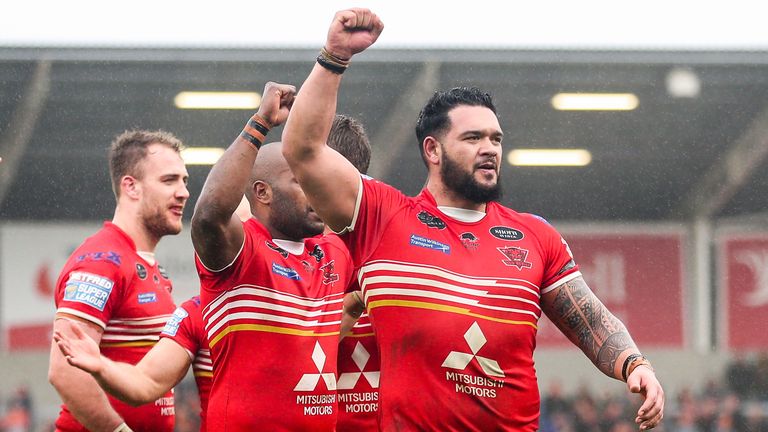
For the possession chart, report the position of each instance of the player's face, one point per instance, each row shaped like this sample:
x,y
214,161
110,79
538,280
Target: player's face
x,y
291,213
471,158
164,190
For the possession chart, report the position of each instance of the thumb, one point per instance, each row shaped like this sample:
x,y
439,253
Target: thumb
x,y
633,383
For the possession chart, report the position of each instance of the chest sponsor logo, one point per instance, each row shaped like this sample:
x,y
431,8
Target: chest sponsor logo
x,y
430,220
469,240
147,297
173,323
317,253
285,271
112,257
166,405
506,233
89,289
360,401
141,271
515,257
417,240
317,404
276,248
329,276
458,361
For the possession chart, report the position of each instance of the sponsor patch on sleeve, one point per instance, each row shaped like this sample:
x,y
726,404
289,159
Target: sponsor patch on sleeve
x,y
173,323
89,289
147,297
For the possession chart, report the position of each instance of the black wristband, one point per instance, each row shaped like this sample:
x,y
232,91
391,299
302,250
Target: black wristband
x,y
258,126
337,69
251,139
627,361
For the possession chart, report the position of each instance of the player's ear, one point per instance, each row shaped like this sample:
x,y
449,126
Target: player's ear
x,y
432,150
262,192
130,187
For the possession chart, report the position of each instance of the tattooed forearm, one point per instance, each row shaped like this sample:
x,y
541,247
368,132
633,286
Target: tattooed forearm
x,y
583,318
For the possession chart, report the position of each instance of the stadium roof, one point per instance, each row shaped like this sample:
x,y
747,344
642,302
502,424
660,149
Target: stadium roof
x,y
695,145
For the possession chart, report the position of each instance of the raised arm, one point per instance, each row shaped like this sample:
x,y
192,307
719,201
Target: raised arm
x,y
217,233
78,390
330,182
583,318
157,372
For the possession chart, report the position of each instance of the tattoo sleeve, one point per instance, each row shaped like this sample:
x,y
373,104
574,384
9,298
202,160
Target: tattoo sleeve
x,y
583,318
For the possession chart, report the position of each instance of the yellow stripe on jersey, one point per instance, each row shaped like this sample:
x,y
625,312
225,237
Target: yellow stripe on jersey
x,y
268,329
360,335
204,374
444,308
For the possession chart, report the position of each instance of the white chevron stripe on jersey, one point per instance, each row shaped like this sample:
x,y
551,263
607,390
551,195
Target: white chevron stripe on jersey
x,y
272,307
157,319
412,280
424,270
251,316
271,294
373,293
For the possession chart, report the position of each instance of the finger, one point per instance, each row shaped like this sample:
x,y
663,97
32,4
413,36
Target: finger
x,y
377,25
365,20
652,423
64,348
77,330
348,18
651,397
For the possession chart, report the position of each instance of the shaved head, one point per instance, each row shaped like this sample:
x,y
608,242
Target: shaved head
x,y
269,163
277,199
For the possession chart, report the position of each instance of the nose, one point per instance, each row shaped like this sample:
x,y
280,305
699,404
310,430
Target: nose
x,y
490,147
182,192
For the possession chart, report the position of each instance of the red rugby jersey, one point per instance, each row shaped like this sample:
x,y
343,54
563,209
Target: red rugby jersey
x,y
273,319
106,282
358,383
455,307
186,329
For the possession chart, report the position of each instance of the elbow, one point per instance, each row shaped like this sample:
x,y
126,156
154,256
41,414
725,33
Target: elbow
x,y
53,378
294,152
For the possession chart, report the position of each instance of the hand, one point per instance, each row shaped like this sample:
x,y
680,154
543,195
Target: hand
x,y
352,31
78,348
276,103
643,381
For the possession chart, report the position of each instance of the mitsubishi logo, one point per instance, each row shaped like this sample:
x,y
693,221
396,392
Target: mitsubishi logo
x,y
348,380
460,360
308,382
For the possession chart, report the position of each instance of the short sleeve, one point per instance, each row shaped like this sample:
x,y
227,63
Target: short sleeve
x,y
91,290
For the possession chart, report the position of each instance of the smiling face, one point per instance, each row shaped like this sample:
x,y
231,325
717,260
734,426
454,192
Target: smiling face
x,y
470,162
164,191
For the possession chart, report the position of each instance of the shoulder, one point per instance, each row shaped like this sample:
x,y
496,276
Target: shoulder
x,y
532,223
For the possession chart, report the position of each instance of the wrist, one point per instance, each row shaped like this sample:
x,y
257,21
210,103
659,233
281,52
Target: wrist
x,y
632,362
332,62
122,427
256,130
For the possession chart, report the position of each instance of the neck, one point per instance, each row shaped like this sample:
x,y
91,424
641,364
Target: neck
x,y
132,225
447,197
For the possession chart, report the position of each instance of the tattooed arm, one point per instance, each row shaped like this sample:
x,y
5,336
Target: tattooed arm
x,y
583,318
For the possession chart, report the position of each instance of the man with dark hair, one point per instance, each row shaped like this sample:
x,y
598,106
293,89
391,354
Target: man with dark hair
x,y
455,283
347,136
113,291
